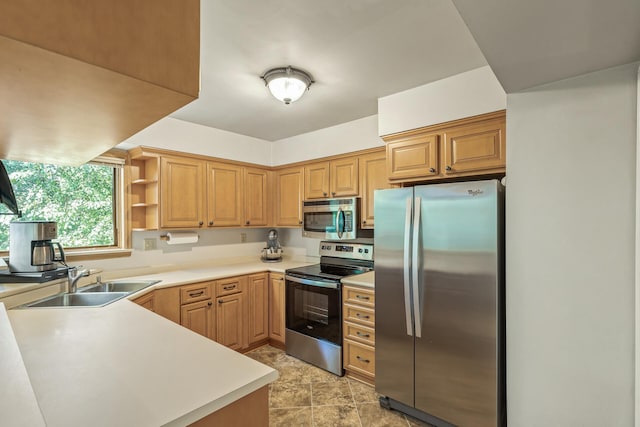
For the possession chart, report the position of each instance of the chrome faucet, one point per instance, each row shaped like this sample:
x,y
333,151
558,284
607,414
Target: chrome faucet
x,y
74,276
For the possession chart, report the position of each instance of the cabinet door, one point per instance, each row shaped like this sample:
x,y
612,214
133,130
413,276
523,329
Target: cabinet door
x,y
344,177
289,192
373,176
198,316
182,192
413,157
258,307
166,303
472,148
276,307
230,321
224,195
145,301
256,197
316,180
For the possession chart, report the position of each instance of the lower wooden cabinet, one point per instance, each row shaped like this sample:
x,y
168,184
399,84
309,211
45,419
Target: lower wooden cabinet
x,y
230,321
359,354
276,307
146,301
258,305
238,312
198,316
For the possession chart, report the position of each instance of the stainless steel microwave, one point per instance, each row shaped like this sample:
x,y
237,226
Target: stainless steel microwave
x,y
331,219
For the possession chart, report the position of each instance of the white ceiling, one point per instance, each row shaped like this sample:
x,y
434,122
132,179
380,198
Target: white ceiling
x,y
531,42
360,50
356,50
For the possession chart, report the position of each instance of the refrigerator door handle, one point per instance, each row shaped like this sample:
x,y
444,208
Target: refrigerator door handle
x,y
406,265
415,266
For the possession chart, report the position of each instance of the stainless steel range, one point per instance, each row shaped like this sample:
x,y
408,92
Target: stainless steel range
x,y
314,303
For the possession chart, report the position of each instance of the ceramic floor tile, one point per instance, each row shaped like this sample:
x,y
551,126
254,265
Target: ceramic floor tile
x,y
372,415
290,417
336,416
331,393
288,395
363,393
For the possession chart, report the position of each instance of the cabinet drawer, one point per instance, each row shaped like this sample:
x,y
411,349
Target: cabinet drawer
x,y
359,296
196,292
359,358
228,286
359,315
360,333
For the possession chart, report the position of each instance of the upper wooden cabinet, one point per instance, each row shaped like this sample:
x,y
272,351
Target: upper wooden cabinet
x,y
289,191
413,156
475,147
78,77
256,197
466,147
224,195
335,178
182,192
373,176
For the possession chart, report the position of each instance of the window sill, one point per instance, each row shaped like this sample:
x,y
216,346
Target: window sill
x,y
80,255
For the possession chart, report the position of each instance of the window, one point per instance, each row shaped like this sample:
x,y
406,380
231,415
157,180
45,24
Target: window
x,y
83,200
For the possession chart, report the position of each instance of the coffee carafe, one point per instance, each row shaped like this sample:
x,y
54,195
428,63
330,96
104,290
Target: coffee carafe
x,y
31,246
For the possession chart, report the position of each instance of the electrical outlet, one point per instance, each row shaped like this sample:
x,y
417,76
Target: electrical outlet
x,y
243,237
150,244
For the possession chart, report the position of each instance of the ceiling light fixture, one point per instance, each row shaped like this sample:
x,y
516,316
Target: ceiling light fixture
x,y
287,84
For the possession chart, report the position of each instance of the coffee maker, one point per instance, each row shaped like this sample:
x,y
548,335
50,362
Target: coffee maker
x,y
31,246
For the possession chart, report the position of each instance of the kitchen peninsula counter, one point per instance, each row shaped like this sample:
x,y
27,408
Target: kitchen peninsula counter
x,y
123,365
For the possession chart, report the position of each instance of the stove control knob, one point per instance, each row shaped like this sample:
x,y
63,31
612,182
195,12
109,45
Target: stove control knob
x,y
360,250
366,251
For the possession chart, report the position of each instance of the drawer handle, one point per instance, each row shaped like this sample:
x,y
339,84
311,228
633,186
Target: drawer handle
x,y
362,316
196,294
228,288
360,334
362,297
362,359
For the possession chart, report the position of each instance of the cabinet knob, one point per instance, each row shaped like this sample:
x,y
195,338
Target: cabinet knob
x,y
324,194
210,223
333,193
209,303
448,168
300,222
220,301
364,222
248,222
200,223
432,170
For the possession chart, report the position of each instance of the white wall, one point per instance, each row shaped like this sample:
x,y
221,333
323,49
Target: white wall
x,y
570,251
351,136
179,135
463,95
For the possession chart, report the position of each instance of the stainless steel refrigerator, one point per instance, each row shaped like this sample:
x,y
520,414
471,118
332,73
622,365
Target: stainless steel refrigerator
x,y
439,281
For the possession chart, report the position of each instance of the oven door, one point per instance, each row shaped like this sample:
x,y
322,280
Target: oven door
x,y
313,308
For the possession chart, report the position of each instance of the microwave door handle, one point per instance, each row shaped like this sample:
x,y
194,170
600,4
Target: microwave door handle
x,y
340,223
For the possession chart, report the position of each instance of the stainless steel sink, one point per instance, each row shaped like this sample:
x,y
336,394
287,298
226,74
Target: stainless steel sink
x,y
128,286
79,300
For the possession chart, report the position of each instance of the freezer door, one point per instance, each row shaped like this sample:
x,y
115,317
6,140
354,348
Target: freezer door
x,y
457,364
394,327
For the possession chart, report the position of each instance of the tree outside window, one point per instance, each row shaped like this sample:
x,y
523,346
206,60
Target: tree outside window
x,y
80,199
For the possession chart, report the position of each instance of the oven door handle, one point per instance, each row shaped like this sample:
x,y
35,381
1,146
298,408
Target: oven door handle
x,y
331,285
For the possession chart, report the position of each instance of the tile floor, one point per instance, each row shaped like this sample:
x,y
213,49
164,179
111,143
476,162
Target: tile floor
x,y
308,396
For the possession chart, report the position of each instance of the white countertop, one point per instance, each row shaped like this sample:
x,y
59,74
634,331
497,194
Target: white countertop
x,y
365,280
122,364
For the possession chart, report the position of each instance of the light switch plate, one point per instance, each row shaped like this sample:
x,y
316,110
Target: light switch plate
x,y
243,237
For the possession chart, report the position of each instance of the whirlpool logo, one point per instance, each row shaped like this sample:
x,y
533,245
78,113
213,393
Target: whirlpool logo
x,y
475,192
